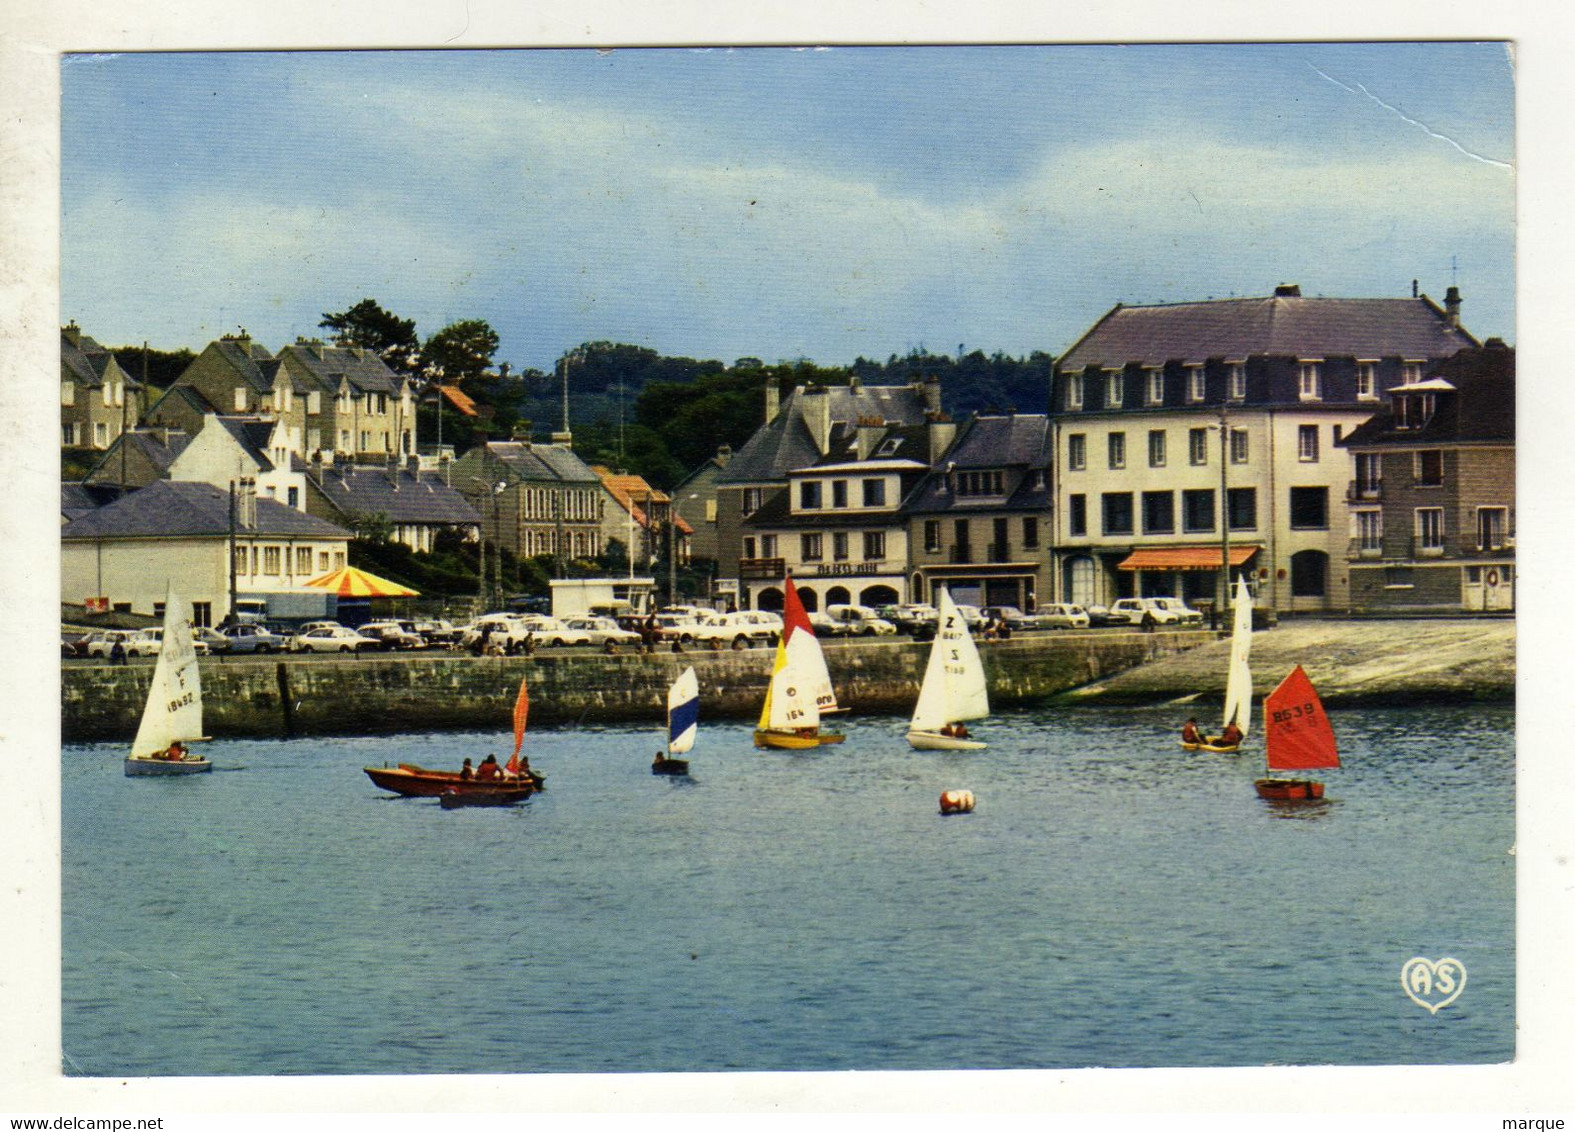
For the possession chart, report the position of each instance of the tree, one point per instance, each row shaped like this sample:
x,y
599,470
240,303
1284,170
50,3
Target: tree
x,y
387,335
461,350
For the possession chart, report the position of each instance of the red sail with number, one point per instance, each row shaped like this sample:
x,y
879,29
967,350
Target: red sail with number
x,y
1298,736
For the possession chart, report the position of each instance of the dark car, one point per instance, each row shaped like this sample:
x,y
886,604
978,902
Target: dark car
x,y
252,637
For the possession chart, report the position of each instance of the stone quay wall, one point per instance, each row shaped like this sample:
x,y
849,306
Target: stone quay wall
x,y
369,695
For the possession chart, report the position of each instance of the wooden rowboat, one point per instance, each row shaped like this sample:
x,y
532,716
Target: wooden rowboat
x,y
417,782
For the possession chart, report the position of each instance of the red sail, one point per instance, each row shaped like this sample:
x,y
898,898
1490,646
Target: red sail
x,y
793,615
1297,729
521,710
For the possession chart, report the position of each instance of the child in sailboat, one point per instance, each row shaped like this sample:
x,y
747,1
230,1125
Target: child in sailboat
x,y
1190,732
1230,737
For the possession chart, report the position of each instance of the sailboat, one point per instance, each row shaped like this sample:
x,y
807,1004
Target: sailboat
x,y
172,717
953,688
1298,737
514,782
1238,677
683,720
790,716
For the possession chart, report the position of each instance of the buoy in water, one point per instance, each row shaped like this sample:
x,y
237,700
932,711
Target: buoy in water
x,y
957,802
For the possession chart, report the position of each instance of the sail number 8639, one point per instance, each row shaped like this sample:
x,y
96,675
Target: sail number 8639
x,y
1299,711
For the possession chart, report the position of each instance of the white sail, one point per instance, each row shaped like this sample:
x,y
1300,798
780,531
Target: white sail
x,y
1238,679
953,688
174,707
819,678
793,681
683,712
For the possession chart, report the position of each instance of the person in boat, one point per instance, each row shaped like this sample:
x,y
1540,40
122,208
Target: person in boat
x,y
658,760
1190,732
1230,737
176,752
489,770
523,774
466,772
954,731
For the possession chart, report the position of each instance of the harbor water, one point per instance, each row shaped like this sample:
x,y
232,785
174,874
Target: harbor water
x,y
1112,901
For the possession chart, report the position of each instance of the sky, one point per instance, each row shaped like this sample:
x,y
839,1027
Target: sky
x,y
779,203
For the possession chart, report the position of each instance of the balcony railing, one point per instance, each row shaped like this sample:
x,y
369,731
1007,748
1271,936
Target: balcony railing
x,y
758,569
1359,490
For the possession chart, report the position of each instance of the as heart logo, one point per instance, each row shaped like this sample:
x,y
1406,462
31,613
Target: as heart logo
x,y
1433,985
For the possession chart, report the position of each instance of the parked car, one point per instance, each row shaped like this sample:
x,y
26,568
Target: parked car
x,y
739,630
603,631
672,626
1153,611
335,639
824,625
436,632
973,615
1099,615
251,637
1015,619
147,642
1061,615
311,625
215,641
549,632
861,621
909,616
392,635
100,641
503,629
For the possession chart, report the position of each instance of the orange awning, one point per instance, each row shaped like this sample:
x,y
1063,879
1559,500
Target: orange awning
x,y
1184,558
348,581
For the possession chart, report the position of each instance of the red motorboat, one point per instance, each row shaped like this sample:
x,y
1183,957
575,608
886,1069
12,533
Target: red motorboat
x,y
1298,737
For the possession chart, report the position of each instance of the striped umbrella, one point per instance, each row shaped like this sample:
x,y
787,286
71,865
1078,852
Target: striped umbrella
x,y
351,582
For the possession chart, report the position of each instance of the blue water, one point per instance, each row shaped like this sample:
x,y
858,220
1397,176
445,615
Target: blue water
x,y
1112,901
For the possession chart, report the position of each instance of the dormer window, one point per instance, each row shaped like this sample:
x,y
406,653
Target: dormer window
x,y
1238,381
1367,380
1195,384
1074,391
1115,388
1155,384
1309,386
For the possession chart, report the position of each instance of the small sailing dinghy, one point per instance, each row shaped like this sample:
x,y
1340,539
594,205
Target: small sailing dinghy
x,y
514,783
1298,736
683,721
1238,678
790,716
953,690
172,717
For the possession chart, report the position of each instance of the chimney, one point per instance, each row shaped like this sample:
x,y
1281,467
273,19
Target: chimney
x,y
724,453
941,431
932,393
1452,307
1288,291
71,332
866,435
815,408
247,504
1413,288
317,466
773,399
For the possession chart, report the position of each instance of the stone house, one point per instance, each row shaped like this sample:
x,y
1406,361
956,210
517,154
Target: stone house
x,y
698,491
98,399
535,499
639,517
1432,491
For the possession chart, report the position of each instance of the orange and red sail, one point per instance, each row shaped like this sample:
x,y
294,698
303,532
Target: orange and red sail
x,y
793,615
521,710
1296,728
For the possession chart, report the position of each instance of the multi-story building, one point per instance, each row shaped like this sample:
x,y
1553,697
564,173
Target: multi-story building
x,y
697,496
1432,490
535,499
98,399
411,506
838,527
1186,432
979,522
328,400
798,433
641,518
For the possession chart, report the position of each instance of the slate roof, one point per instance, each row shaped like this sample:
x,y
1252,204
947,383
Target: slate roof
x,y
166,509
77,499
1482,410
541,462
1020,442
159,447
1278,326
85,361
785,443
188,393
251,360
253,435
363,369
400,495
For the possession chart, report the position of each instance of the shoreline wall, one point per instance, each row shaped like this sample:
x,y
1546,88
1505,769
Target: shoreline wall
x,y
283,697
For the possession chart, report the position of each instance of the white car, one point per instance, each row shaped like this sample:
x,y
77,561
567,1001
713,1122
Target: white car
x,y
552,633
100,642
1063,616
825,625
147,642
337,639
602,631
497,628
1153,611
393,635
972,615
861,621
739,630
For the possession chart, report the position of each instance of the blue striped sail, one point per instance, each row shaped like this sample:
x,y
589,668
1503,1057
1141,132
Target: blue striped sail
x,y
683,712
